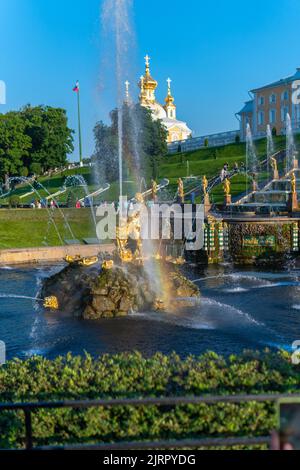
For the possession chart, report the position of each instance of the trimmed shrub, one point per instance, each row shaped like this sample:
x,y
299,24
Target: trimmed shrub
x,y
131,375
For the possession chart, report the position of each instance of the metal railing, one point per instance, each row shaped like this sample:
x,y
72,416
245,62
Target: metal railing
x,y
190,443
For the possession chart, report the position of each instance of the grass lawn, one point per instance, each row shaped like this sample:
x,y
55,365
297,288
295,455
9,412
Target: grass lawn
x,y
33,228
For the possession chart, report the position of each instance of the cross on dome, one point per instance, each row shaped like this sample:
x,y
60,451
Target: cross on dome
x,y
169,81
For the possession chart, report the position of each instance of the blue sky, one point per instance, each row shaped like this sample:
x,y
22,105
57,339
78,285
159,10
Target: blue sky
x,y
214,52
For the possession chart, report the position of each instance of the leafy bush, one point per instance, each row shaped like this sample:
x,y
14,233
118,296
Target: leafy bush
x,y
123,375
24,172
14,201
36,169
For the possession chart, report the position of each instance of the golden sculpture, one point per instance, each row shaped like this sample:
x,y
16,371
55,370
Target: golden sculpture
x,y
139,198
125,254
294,183
88,261
181,190
227,187
73,259
154,190
180,261
51,303
274,166
159,305
204,185
125,230
82,261
107,265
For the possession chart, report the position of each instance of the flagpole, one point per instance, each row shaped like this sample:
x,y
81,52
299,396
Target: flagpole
x,y
79,126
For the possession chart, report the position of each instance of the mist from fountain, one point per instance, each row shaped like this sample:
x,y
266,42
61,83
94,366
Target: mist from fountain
x,y
23,179
116,19
117,15
251,157
270,148
71,180
290,145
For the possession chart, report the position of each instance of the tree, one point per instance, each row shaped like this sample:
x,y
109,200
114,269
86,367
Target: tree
x,y
51,138
15,145
237,139
106,152
144,143
36,169
24,172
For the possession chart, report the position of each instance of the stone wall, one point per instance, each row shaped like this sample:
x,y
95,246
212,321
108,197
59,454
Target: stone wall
x,y
51,254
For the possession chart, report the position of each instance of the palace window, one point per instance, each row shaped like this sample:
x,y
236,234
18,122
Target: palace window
x,y
285,96
261,118
284,112
273,98
272,116
261,101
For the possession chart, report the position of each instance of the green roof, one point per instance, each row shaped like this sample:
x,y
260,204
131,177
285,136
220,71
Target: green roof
x,y
283,81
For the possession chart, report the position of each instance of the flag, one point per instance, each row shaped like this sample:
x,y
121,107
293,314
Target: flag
x,y
76,88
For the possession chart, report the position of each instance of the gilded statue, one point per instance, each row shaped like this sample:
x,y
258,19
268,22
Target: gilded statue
x,y
274,164
181,190
154,190
294,183
227,187
204,185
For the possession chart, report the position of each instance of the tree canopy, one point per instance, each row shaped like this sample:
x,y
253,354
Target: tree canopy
x,y
34,137
144,142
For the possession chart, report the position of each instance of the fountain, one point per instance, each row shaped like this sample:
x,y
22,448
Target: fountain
x,y
137,277
270,149
35,187
291,154
251,157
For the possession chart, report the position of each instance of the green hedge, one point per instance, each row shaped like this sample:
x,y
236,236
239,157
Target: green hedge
x,y
135,376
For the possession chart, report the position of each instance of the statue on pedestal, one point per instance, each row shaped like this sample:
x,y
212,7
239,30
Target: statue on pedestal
x,y
154,190
227,189
180,191
204,185
274,166
207,205
293,199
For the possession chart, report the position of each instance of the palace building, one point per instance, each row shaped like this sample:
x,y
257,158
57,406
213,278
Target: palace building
x,y
177,130
270,105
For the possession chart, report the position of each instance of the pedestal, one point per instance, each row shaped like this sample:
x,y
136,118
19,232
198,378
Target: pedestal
x,y
227,200
207,204
254,186
293,202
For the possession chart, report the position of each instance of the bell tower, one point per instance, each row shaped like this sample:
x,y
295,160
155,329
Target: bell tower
x,y
170,107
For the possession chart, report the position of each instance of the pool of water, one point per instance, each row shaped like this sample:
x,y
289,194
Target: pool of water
x,y
239,309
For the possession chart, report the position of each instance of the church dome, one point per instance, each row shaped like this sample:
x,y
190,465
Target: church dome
x,y
158,112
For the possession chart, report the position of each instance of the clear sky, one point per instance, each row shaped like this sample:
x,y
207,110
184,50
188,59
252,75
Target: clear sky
x,y
214,51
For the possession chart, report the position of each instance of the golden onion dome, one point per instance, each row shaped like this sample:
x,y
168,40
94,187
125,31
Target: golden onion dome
x,y
147,82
